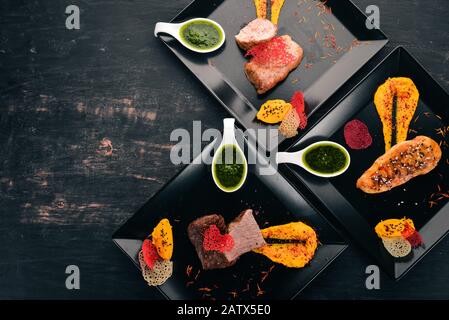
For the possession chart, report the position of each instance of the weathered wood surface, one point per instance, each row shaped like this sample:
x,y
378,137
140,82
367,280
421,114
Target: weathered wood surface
x,y
85,120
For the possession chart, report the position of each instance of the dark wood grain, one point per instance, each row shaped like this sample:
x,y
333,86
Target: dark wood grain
x,y
67,96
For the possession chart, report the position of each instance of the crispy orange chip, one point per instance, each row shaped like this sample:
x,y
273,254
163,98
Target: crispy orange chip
x,y
393,228
163,239
273,111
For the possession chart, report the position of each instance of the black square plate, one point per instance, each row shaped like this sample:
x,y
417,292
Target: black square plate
x,y
419,199
191,194
325,67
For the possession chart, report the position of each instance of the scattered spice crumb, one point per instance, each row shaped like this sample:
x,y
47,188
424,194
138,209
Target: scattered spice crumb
x,y
197,274
189,270
442,131
265,274
259,291
308,65
416,119
438,196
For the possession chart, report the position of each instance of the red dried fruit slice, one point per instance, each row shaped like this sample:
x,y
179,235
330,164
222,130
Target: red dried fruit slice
x,y
214,240
297,102
412,236
149,253
357,135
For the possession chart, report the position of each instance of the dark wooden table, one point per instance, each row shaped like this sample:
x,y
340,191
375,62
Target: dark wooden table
x,y
67,96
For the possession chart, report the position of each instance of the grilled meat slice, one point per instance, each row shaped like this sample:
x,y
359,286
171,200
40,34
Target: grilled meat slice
x,y
209,259
400,164
256,32
246,234
280,56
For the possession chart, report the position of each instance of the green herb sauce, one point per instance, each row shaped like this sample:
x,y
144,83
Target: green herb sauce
x,y
201,34
325,159
229,167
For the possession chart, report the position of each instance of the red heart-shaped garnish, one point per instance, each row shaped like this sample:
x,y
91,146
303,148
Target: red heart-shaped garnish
x,y
297,102
214,240
411,235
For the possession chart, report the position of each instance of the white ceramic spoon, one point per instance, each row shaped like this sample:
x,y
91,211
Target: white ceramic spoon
x,y
297,158
229,139
174,29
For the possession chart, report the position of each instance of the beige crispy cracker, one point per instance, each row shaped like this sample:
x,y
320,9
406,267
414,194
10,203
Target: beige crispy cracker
x,y
290,124
161,271
398,247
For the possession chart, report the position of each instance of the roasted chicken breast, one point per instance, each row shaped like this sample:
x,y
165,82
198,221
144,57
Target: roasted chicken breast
x,y
256,32
271,63
403,162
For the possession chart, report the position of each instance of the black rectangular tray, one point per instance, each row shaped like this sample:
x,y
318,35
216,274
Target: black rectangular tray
x,y
322,71
191,194
358,212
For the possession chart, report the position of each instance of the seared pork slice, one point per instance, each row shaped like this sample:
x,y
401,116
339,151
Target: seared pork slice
x,y
400,164
256,32
246,234
209,259
272,61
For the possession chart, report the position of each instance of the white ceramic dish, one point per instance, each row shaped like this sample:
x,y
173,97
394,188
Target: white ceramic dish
x,y
174,30
297,158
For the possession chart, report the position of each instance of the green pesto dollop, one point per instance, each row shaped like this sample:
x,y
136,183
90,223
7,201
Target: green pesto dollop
x,y
229,167
325,158
201,34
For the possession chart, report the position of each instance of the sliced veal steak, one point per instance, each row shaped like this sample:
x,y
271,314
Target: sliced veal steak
x,y
209,259
256,32
246,234
272,61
